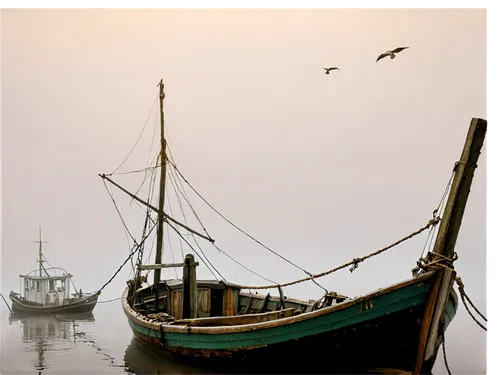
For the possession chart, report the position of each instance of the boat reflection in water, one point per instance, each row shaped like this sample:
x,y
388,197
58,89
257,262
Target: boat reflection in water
x,y
49,335
140,359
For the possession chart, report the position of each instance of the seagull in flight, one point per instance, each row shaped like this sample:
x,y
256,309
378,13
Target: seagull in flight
x,y
327,70
391,53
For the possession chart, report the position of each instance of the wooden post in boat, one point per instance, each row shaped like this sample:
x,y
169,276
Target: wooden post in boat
x,y
447,238
189,289
161,203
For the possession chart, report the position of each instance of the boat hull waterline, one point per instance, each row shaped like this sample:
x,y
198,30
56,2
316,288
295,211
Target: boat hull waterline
x,y
82,305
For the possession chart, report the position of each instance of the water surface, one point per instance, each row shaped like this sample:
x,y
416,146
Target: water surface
x,y
102,343
96,343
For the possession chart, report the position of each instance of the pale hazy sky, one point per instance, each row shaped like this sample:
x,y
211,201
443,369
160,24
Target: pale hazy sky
x,y
322,168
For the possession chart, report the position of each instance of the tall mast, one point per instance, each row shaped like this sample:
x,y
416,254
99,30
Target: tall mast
x,y
40,255
161,203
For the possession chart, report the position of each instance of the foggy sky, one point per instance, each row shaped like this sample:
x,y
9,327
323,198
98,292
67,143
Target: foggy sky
x,y
321,168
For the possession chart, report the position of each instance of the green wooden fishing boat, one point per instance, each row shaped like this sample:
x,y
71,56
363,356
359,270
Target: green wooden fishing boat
x,y
395,329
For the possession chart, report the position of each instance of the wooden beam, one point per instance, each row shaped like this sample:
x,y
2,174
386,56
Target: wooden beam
x,y
427,321
237,319
449,229
438,320
282,298
263,305
167,218
189,288
158,266
460,188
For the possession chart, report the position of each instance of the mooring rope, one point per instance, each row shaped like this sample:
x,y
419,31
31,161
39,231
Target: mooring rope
x,y
461,287
111,300
463,295
439,264
6,302
445,358
137,247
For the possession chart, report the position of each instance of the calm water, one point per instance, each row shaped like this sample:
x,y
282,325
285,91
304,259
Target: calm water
x,y
100,343
103,344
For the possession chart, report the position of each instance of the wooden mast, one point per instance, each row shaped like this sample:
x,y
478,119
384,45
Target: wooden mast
x,y
40,255
161,203
446,240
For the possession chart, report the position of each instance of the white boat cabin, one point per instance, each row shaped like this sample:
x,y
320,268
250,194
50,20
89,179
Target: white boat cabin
x,y
46,290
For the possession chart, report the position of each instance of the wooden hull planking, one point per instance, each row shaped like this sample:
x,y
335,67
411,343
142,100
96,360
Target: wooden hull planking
x,y
379,330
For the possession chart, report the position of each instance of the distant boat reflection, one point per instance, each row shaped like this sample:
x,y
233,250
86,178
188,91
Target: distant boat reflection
x,y
48,333
140,359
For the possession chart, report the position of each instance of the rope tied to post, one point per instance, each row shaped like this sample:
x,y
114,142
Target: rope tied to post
x,y
464,296
445,262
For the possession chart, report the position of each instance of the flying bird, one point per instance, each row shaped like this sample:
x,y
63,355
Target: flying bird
x,y
391,53
327,70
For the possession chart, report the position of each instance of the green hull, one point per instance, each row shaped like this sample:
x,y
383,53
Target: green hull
x,y
390,318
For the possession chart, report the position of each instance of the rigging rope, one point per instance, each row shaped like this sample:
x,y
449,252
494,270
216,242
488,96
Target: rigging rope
x,y
178,191
150,169
46,261
245,267
136,171
140,135
153,138
438,212
151,172
111,300
1,295
123,223
248,235
119,213
180,240
461,288
462,295
192,248
137,247
174,178
148,215
353,263
168,237
124,230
